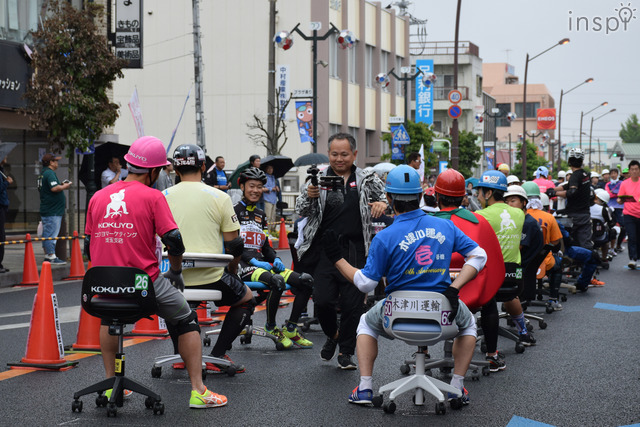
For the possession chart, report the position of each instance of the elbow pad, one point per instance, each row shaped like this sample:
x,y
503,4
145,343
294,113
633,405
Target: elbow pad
x,y
234,247
173,241
87,244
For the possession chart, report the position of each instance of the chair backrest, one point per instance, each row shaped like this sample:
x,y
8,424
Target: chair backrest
x,y
600,230
122,294
530,272
513,284
418,318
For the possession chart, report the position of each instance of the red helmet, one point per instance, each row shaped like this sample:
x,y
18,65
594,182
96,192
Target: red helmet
x,y
450,183
430,191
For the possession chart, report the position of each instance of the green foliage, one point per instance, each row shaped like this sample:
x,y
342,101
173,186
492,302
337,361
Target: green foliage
x,y
74,69
533,160
419,133
630,131
469,152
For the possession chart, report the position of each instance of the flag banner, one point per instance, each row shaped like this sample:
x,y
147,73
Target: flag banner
x,y
421,168
173,134
136,112
304,115
490,154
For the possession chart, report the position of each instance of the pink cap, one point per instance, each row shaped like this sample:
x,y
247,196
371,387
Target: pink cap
x,y
147,152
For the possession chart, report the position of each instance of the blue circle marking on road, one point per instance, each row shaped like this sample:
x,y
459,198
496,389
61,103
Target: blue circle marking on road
x,y
455,111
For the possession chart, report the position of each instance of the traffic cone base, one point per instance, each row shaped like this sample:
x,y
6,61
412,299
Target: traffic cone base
x,y
30,268
88,338
44,343
148,328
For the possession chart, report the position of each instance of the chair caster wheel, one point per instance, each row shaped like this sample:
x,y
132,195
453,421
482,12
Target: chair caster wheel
x,y
529,327
549,309
279,346
377,401
542,324
231,370
485,371
158,408
563,298
389,408
112,410
519,348
76,405
456,403
101,401
156,372
405,369
483,347
441,409
475,376
148,402
206,341
243,340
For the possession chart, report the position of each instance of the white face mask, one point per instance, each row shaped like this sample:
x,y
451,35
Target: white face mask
x,y
614,180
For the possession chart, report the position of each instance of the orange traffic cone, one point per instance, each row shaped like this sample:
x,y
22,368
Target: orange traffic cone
x,y
30,268
284,241
45,349
149,328
204,316
88,338
77,263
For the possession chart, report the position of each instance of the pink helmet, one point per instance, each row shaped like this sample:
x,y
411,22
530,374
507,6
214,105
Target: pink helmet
x,y
147,152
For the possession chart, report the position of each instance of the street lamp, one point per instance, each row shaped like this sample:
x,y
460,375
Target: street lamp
x,y
523,152
582,114
559,142
495,113
345,40
591,131
383,81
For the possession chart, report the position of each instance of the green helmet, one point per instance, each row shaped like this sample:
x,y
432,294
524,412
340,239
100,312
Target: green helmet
x,y
531,188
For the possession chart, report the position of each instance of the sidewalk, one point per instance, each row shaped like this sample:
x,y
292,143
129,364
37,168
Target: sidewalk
x,y
14,261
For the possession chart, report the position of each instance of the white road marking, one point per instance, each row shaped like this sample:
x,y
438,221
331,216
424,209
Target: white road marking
x,y
67,315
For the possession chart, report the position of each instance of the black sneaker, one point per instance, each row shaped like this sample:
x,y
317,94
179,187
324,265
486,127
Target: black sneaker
x,y
345,363
328,349
527,339
496,363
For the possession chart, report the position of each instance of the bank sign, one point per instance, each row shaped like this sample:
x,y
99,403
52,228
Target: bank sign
x,y
424,94
14,75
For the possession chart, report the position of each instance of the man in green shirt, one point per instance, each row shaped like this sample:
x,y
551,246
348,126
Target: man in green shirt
x,y
52,205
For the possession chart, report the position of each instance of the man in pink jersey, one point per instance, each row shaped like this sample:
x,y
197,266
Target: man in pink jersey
x,y
123,220
542,179
629,194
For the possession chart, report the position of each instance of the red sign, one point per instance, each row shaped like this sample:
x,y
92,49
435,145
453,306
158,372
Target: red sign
x,y
546,118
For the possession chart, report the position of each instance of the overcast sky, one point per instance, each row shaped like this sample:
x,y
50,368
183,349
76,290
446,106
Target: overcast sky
x,y
506,31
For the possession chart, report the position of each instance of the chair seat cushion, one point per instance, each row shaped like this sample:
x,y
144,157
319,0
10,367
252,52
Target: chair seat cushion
x,y
415,325
202,294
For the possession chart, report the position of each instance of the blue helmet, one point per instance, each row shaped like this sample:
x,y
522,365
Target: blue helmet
x,y
542,170
403,182
494,180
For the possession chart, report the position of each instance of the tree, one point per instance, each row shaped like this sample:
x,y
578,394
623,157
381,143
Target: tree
x,y
74,69
630,131
419,134
260,135
533,160
470,153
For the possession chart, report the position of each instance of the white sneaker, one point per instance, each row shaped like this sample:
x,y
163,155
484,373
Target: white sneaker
x,y
555,305
632,265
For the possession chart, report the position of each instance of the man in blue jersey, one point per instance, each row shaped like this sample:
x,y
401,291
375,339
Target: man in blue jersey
x,y
413,253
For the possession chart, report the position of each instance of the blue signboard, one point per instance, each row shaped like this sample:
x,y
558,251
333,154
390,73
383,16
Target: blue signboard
x,y
424,94
400,135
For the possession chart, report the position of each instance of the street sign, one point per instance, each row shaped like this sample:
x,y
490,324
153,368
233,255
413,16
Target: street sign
x,y
405,70
302,93
455,96
400,135
489,143
315,26
396,119
455,111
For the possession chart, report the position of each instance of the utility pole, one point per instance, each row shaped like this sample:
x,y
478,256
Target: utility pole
x,y
197,58
271,90
455,152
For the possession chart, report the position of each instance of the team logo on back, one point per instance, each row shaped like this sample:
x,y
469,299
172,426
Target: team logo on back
x,y
507,223
117,206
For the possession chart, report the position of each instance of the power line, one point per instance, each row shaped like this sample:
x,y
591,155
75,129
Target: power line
x,y
169,59
167,40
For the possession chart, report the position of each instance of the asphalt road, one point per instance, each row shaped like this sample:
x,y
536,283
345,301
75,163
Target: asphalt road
x,y
583,372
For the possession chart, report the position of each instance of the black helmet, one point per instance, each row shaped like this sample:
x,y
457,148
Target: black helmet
x,y
188,155
252,173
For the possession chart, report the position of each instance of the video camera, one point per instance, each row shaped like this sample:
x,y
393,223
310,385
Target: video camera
x,y
313,172
333,183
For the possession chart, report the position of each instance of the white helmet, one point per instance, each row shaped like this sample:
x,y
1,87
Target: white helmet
x,y
569,172
562,174
516,190
511,179
603,195
595,175
576,153
605,171
545,199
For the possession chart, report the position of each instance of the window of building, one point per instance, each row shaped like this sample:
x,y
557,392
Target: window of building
x,y
334,65
384,65
399,88
532,108
18,18
333,129
437,125
353,68
479,86
354,132
384,145
502,120
368,66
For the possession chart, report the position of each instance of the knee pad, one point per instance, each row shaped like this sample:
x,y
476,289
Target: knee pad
x,y
188,324
364,329
248,306
306,280
277,282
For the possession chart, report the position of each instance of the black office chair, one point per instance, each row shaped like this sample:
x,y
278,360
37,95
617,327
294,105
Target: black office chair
x,y
532,293
511,287
120,295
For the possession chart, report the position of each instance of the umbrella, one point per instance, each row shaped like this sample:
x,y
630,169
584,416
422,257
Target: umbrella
x,y
382,168
233,179
103,155
6,148
473,181
281,164
311,159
